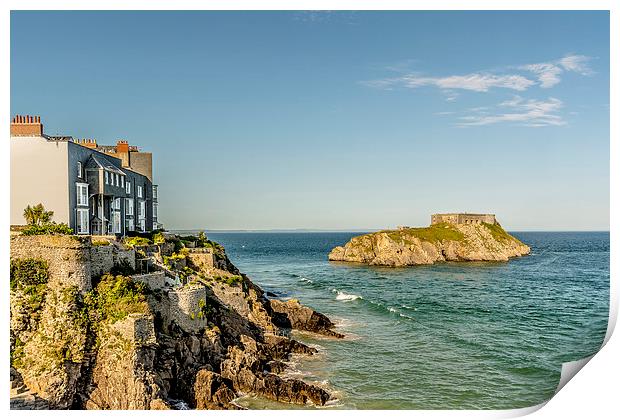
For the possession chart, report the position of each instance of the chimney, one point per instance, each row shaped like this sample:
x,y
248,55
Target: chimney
x,y
90,143
26,125
122,146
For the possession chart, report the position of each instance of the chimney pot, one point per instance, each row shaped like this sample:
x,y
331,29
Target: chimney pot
x,y
26,125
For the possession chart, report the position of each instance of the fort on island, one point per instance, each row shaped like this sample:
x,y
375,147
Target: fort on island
x,y
462,218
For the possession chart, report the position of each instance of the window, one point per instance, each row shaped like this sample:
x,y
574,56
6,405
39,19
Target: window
x,y
129,226
129,207
154,212
118,182
154,192
139,191
128,187
106,177
116,204
122,181
80,172
142,225
82,194
116,221
141,209
82,221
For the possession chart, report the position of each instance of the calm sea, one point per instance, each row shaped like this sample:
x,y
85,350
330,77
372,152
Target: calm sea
x,y
446,336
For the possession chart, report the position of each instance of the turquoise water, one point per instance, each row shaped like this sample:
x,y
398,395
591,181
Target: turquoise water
x,y
446,336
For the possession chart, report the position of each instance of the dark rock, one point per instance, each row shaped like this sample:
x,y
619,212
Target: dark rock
x,y
292,314
212,391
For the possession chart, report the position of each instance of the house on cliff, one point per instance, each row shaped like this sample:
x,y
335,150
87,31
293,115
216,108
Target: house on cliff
x,y
99,190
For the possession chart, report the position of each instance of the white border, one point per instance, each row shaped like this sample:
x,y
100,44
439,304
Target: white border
x,y
593,394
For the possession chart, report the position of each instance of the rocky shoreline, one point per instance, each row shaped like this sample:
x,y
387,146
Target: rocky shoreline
x,y
436,243
193,332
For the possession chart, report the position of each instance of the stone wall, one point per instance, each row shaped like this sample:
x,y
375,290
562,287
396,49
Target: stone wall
x,y
138,328
186,305
105,257
155,280
463,218
68,257
200,259
72,260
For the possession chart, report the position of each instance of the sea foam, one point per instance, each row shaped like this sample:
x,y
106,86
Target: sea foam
x,y
345,296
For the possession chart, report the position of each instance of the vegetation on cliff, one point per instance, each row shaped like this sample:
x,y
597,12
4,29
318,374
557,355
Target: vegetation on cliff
x,y
434,233
115,297
124,345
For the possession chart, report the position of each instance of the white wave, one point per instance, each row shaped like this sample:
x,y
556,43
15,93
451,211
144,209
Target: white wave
x,y
342,322
307,280
346,296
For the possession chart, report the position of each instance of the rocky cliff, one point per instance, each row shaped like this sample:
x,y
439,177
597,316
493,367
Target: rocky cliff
x,y
439,242
192,333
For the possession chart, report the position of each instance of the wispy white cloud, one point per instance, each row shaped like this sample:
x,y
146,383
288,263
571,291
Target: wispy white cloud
x,y
478,82
527,112
577,63
546,75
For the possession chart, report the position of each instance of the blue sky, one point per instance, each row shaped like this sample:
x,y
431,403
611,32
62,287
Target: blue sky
x,y
336,120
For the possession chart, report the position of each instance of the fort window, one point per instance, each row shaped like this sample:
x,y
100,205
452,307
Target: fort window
x,y
80,173
128,187
106,177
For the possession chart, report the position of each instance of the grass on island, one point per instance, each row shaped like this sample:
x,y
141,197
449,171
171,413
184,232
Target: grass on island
x,y
433,233
499,234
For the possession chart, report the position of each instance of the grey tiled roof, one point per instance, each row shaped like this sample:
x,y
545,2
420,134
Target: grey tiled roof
x,y
102,163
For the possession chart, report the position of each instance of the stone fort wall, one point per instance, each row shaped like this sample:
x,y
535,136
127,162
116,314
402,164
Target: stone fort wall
x,y
463,218
105,257
185,306
72,260
68,257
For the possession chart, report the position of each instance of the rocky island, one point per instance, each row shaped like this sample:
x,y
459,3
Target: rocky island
x,y
450,237
156,321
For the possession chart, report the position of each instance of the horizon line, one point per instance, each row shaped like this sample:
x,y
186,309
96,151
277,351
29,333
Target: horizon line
x,y
320,230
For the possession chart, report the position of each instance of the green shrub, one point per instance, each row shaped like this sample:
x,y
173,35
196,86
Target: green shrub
x,y
115,297
158,238
37,215
30,276
102,242
434,233
499,234
50,228
229,280
136,241
28,272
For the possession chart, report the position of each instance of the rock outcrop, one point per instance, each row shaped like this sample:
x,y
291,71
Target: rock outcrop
x,y
439,242
292,314
123,342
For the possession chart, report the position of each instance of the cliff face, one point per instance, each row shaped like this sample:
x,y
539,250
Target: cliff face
x,y
440,242
147,341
